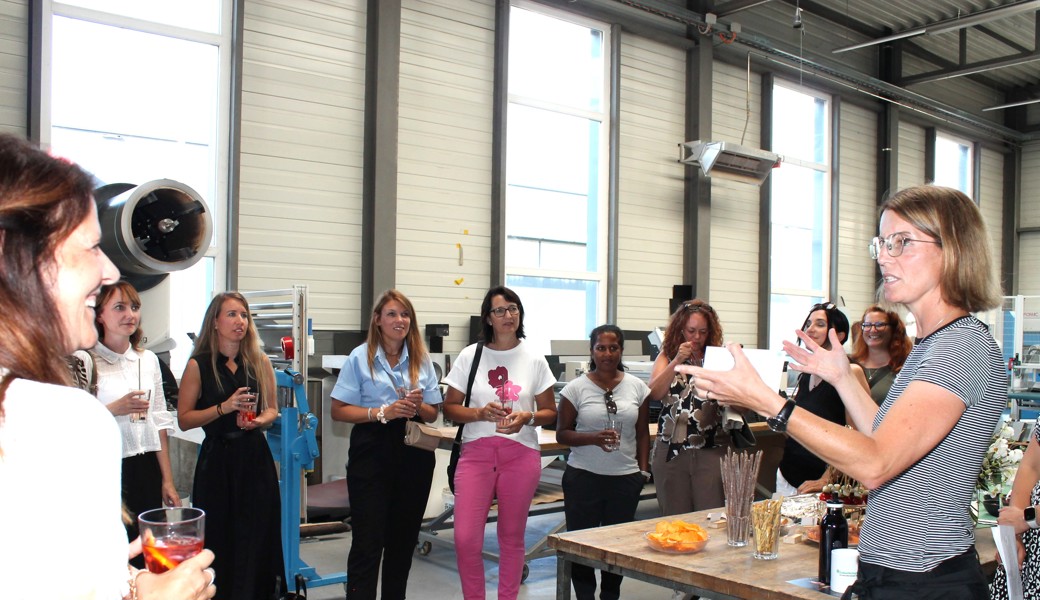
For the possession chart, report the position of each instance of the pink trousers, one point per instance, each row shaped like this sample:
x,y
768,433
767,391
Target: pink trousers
x,y
489,468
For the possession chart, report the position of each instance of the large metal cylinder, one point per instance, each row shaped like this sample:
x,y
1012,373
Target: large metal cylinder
x,y
152,229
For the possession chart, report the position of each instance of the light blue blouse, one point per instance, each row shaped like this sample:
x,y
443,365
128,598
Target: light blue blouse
x,y
373,388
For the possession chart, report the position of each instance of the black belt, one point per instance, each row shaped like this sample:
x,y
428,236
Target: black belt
x,y
234,435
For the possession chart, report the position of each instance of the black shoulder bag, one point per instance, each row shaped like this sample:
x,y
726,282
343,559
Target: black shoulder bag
x,y
456,448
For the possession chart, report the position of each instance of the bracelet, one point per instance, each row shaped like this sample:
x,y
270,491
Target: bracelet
x,y
381,415
220,410
370,415
132,581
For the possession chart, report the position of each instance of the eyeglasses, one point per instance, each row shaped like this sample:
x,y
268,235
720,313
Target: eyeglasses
x,y
894,244
502,310
878,326
611,405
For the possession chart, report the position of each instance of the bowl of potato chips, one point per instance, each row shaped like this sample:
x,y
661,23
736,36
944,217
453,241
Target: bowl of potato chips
x,y
677,537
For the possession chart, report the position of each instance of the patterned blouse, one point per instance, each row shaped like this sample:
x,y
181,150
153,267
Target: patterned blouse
x,y
686,421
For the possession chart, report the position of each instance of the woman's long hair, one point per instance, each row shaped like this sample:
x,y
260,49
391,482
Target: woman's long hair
x,y
42,201
252,352
673,336
414,340
131,297
899,345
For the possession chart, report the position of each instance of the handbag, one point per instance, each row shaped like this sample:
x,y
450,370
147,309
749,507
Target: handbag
x,y
456,448
421,435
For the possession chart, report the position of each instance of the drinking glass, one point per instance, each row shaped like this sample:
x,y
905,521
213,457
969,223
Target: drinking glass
x,y
507,406
141,417
170,536
614,424
765,517
738,524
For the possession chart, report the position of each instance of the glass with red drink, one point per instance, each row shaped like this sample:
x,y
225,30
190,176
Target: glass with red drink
x,y
170,535
507,407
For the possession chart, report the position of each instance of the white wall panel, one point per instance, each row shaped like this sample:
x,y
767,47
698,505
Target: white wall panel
x,y
444,179
857,209
911,165
303,89
14,66
650,212
734,209
1028,270
1029,214
991,200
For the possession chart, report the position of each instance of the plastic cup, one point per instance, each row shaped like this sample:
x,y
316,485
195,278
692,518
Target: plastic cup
x,y
507,406
844,568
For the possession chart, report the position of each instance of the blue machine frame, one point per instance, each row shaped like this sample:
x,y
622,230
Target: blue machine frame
x,y
295,447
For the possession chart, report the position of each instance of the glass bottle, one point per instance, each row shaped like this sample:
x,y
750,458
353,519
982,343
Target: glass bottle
x,y
834,533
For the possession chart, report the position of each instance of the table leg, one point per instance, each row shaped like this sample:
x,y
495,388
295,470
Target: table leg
x,y
563,577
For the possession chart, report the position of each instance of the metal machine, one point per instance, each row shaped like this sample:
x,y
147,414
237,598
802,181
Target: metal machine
x,y
295,447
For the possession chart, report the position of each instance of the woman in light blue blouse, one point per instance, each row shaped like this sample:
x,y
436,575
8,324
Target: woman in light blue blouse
x,y
385,382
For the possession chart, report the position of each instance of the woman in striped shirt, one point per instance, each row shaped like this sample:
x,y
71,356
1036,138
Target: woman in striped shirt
x,y
919,452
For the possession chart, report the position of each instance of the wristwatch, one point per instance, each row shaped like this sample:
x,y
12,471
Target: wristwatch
x,y
1030,515
531,420
779,422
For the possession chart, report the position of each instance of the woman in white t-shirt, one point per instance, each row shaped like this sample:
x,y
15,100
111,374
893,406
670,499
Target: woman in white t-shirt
x,y
607,468
61,534
512,395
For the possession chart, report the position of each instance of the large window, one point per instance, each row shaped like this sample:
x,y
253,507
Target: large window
x,y
954,163
136,91
801,215
556,172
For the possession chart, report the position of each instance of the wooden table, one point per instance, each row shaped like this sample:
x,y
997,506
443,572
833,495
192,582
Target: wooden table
x,y
721,571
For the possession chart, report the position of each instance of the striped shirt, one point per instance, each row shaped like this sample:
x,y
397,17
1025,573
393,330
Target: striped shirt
x,y
920,517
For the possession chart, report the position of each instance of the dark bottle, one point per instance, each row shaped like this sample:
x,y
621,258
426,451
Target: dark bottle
x,y
834,533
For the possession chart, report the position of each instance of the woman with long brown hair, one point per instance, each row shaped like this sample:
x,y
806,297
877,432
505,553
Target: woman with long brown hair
x,y
881,349
129,384
57,442
385,382
228,389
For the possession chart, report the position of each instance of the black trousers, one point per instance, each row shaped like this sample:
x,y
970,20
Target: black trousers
x,y
389,484
591,500
957,578
142,490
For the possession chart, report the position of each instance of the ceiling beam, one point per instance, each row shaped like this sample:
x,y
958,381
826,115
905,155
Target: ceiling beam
x,y
971,69
1000,38
733,6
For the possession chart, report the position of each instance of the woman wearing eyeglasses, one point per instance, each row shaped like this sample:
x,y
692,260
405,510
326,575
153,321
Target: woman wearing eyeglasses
x,y
800,471
605,419
919,452
690,438
880,349
512,395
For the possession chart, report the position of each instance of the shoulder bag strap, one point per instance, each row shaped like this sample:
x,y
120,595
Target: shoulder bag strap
x,y
469,386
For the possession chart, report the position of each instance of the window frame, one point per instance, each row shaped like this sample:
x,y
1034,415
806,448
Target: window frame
x,y
600,277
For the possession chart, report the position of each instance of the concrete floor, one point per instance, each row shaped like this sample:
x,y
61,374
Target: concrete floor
x,y
435,577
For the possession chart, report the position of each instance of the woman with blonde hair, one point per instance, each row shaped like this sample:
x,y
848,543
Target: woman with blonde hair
x,y
919,453
61,533
228,389
880,348
385,382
